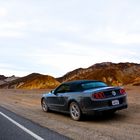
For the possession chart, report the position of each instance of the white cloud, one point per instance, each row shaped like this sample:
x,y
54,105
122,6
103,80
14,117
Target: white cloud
x,y
12,25
12,29
10,72
58,36
11,34
110,35
3,12
8,69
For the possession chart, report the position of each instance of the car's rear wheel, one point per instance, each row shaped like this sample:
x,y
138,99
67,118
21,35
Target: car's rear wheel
x,y
75,111
44,105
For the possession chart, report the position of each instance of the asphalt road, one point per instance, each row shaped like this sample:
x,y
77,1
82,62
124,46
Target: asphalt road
x,y
13,127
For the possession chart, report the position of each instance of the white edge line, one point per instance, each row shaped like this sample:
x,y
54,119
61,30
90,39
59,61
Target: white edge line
x,y
22,127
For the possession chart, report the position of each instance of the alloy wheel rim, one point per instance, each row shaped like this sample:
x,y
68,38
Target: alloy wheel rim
x,y
44,106
75,112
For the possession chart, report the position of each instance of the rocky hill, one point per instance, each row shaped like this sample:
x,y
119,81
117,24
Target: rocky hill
x,y
111,73
4,79
32,81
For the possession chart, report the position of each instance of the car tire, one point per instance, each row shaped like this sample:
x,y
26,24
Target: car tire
x,y
44,105
75,111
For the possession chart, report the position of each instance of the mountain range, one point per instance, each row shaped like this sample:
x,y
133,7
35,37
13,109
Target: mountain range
x,y
116,74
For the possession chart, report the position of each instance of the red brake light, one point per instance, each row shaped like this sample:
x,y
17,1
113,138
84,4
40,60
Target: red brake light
x,y
122,91
99,95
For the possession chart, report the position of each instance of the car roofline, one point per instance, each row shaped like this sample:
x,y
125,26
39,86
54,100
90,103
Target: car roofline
x,y
80,82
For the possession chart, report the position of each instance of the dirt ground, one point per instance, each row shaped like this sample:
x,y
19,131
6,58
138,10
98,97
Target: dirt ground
x,y
124,125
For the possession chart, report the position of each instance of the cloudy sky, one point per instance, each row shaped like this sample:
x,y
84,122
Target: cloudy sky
x,y
56,36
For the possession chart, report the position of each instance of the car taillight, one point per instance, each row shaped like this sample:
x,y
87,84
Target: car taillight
x,y
122,91
99,95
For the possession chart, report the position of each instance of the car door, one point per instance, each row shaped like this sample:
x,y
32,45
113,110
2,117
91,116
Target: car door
x,y
58,100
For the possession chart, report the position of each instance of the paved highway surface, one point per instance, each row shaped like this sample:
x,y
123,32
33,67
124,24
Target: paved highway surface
x,y
14,127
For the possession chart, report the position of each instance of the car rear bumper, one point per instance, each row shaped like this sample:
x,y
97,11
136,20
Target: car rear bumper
x,y
102,109
92,107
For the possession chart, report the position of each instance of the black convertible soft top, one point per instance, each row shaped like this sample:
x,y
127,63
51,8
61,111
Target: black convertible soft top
x,y
76,85
77,82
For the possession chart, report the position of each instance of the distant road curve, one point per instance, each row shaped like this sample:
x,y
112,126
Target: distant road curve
x,y
13,127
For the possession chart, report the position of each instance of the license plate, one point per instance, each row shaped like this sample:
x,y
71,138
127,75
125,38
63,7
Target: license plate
x,y
115,102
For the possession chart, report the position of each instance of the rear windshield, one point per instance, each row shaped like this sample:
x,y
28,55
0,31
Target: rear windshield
x,y
91,85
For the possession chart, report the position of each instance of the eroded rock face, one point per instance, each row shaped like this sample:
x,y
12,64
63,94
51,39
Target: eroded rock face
x,y
111,73
32,81
40,82
2,77
4,81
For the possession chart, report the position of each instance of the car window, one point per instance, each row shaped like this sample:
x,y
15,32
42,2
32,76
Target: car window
x,y
63,89
76,88
91,85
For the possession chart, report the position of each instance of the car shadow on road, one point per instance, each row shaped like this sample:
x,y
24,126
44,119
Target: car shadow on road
x,y
117,116
104,117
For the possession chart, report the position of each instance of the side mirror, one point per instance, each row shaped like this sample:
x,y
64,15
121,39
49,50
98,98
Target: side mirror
x,y
52,91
